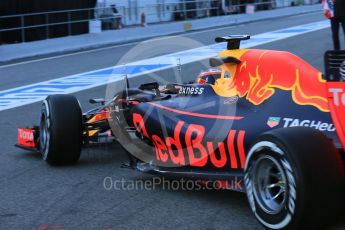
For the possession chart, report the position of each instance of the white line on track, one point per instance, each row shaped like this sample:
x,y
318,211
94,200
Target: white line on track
x,y
27,94
105,48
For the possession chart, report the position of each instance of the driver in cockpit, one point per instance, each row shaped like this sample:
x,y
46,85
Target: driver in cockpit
x,y
209,76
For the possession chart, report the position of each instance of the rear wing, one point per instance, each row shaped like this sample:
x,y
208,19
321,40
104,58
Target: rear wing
x,y
233,41
335,65
335,75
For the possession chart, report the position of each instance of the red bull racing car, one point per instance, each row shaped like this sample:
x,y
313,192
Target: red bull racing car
x,y
265,118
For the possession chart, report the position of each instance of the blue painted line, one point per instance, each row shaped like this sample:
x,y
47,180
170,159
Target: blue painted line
x,y
89,75
292,30
127,69
43,88
254,40
102,72
3,100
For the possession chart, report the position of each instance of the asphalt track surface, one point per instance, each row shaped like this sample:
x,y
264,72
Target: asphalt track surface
x,y
34,194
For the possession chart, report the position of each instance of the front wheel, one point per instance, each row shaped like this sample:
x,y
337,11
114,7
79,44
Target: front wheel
x,y
61,130
294,179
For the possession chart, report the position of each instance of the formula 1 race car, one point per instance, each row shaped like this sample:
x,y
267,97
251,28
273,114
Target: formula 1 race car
x,y
267,119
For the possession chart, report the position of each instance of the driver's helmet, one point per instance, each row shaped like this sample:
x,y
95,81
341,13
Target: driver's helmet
x,y
209,76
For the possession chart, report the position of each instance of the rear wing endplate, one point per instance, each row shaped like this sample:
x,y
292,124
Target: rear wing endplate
x,y
335,65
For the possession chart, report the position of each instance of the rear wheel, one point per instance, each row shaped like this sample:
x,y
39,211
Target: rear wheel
x,y
294,179
61,130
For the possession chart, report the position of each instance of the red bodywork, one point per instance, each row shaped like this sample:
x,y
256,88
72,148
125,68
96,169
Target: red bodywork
x,y
336,100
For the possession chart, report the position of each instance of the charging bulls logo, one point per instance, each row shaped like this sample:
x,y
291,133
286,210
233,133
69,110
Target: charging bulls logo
x,y
261,72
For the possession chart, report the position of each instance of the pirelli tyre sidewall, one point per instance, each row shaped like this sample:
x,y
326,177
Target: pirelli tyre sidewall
x,y
61,130
311,175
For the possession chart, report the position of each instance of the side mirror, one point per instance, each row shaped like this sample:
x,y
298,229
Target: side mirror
x,y
149,86
97,101
215,62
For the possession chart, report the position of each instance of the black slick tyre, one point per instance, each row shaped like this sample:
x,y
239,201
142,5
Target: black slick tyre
x,y
61,128
294,179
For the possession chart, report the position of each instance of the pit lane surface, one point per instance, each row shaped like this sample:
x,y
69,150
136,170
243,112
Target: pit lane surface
x,y
34,194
